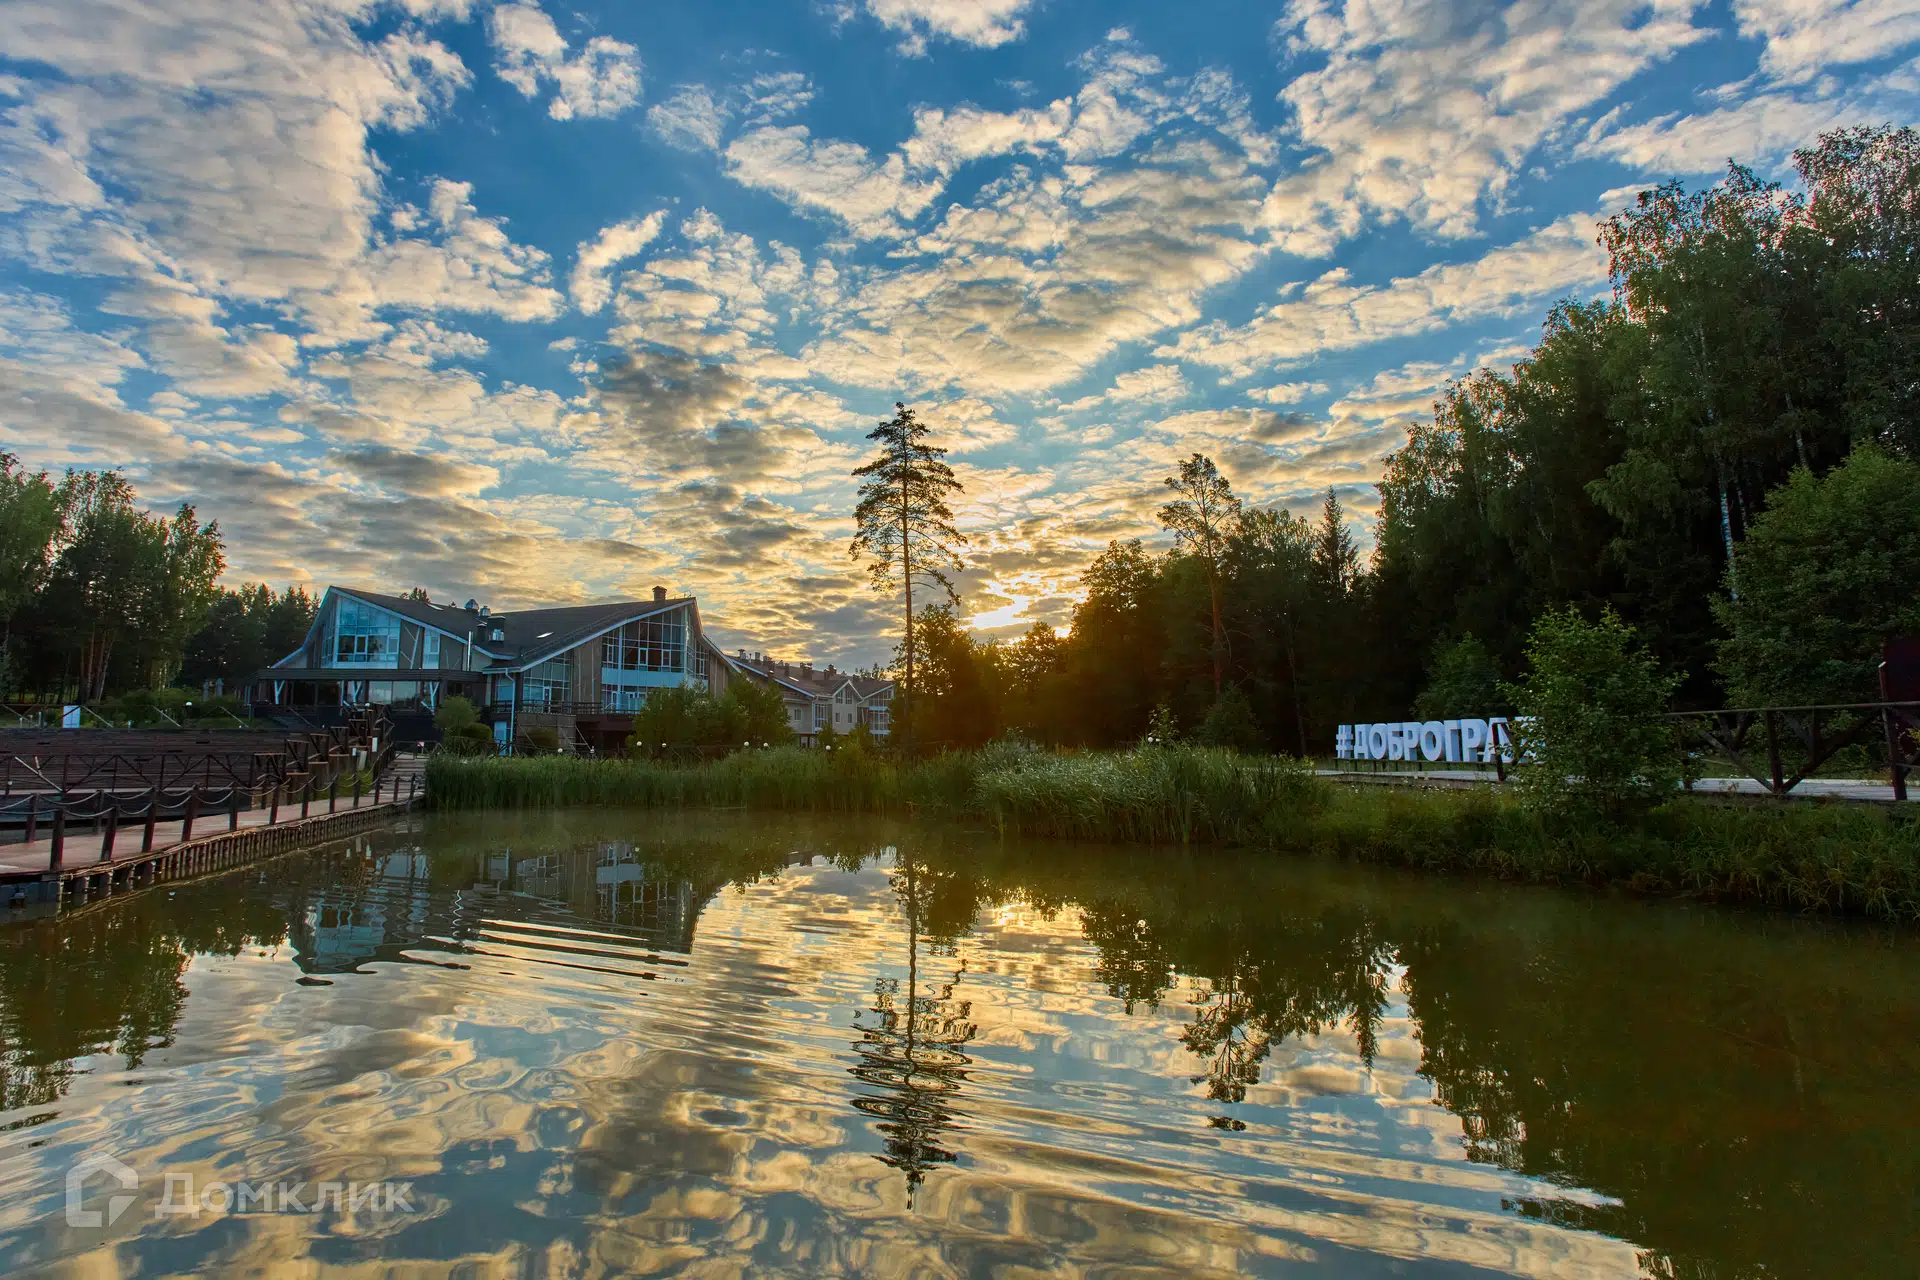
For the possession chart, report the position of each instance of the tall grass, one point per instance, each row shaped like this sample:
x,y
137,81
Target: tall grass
x,y
1848,859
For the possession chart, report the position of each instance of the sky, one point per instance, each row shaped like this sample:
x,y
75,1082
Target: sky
x,y
539,302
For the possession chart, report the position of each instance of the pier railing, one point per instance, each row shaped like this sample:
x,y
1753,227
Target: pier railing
x,y
83,823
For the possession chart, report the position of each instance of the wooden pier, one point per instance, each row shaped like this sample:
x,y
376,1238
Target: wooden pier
x,y
70,867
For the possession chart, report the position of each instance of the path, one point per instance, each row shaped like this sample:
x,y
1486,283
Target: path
x,y
1858,790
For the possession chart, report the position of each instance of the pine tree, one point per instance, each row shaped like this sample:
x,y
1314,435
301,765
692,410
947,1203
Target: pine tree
x,y
904,524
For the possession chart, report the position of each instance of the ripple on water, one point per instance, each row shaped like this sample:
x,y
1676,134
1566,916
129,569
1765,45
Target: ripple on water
x,y
735,1045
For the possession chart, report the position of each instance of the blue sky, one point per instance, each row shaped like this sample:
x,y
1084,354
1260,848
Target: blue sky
x,y
544,302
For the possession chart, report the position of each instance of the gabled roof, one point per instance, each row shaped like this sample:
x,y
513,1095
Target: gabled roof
x,y
818,684
528,636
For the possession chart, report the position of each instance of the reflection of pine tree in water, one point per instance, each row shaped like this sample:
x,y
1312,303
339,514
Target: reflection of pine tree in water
x,y
1228,1034
912,1054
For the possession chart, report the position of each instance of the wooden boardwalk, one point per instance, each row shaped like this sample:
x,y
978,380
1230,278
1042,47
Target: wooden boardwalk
x,y
90,866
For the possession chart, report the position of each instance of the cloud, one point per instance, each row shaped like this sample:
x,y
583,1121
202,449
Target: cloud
x,y
1288,392
603,79
414,473
691,119
1154,384
1806,38
985,24
590,285
1423,110
841,179
1332,313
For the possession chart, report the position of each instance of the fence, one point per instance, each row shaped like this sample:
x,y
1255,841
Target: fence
x,y
1799,740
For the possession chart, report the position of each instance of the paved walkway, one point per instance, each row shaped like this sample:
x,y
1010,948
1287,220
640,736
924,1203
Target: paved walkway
x,y
1863,790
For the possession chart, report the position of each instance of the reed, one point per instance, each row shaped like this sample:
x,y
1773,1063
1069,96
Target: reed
x,y
1846,859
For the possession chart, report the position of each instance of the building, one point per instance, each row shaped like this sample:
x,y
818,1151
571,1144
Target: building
x,y
580,671
818,697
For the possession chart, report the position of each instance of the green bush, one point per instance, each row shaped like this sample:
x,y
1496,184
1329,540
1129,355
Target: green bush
x,y
1589,719
1229,725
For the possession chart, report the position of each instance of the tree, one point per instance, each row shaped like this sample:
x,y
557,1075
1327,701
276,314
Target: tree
x,y
904,525
187,558
29,521
1827,576
1203,517
1590,719
1462,680
762,714
961,683
107,550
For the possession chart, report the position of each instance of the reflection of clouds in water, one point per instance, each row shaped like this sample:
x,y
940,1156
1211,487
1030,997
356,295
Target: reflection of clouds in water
x,y
703,1121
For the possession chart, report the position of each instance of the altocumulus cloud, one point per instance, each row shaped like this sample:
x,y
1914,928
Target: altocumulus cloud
x,y
533,301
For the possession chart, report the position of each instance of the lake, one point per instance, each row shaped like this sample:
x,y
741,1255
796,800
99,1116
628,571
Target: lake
x,y
597,1043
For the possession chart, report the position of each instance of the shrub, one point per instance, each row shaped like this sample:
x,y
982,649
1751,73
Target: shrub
x,y
1589,716
1229,724
455,714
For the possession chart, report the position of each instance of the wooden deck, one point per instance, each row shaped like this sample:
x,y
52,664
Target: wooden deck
x,y
218,841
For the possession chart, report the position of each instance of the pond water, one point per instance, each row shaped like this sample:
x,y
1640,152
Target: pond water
x,y
609,1043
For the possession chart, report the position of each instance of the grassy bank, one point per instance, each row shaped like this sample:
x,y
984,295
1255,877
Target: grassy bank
x,y
1846,859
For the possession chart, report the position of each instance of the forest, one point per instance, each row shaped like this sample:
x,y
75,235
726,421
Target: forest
x,y
1724,453
100,597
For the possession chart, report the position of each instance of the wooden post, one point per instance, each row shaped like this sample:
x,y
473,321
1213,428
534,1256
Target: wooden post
x,y
33,817
113,827
153,816
273,813
59,834
193,811
306,793
1896,767
356,788
333,792
233,808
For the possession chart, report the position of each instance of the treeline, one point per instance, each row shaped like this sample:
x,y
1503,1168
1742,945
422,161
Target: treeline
x,y
1726,454
99,596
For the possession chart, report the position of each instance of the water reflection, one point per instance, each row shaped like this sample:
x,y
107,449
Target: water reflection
x,y
629,1044
911,1048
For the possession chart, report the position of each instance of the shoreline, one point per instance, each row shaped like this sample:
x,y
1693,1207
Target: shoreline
x,y
1852,859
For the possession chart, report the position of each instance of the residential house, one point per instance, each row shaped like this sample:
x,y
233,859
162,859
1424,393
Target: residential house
x,y
817,697
580,670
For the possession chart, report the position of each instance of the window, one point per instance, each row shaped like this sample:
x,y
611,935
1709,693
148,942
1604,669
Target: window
x,y
364,635
651,644
878,719
622,697
546,685
431,657
820,713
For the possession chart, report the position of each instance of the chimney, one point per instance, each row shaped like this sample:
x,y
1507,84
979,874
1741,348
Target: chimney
x,y
806,671
485,612
659,594
830,671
